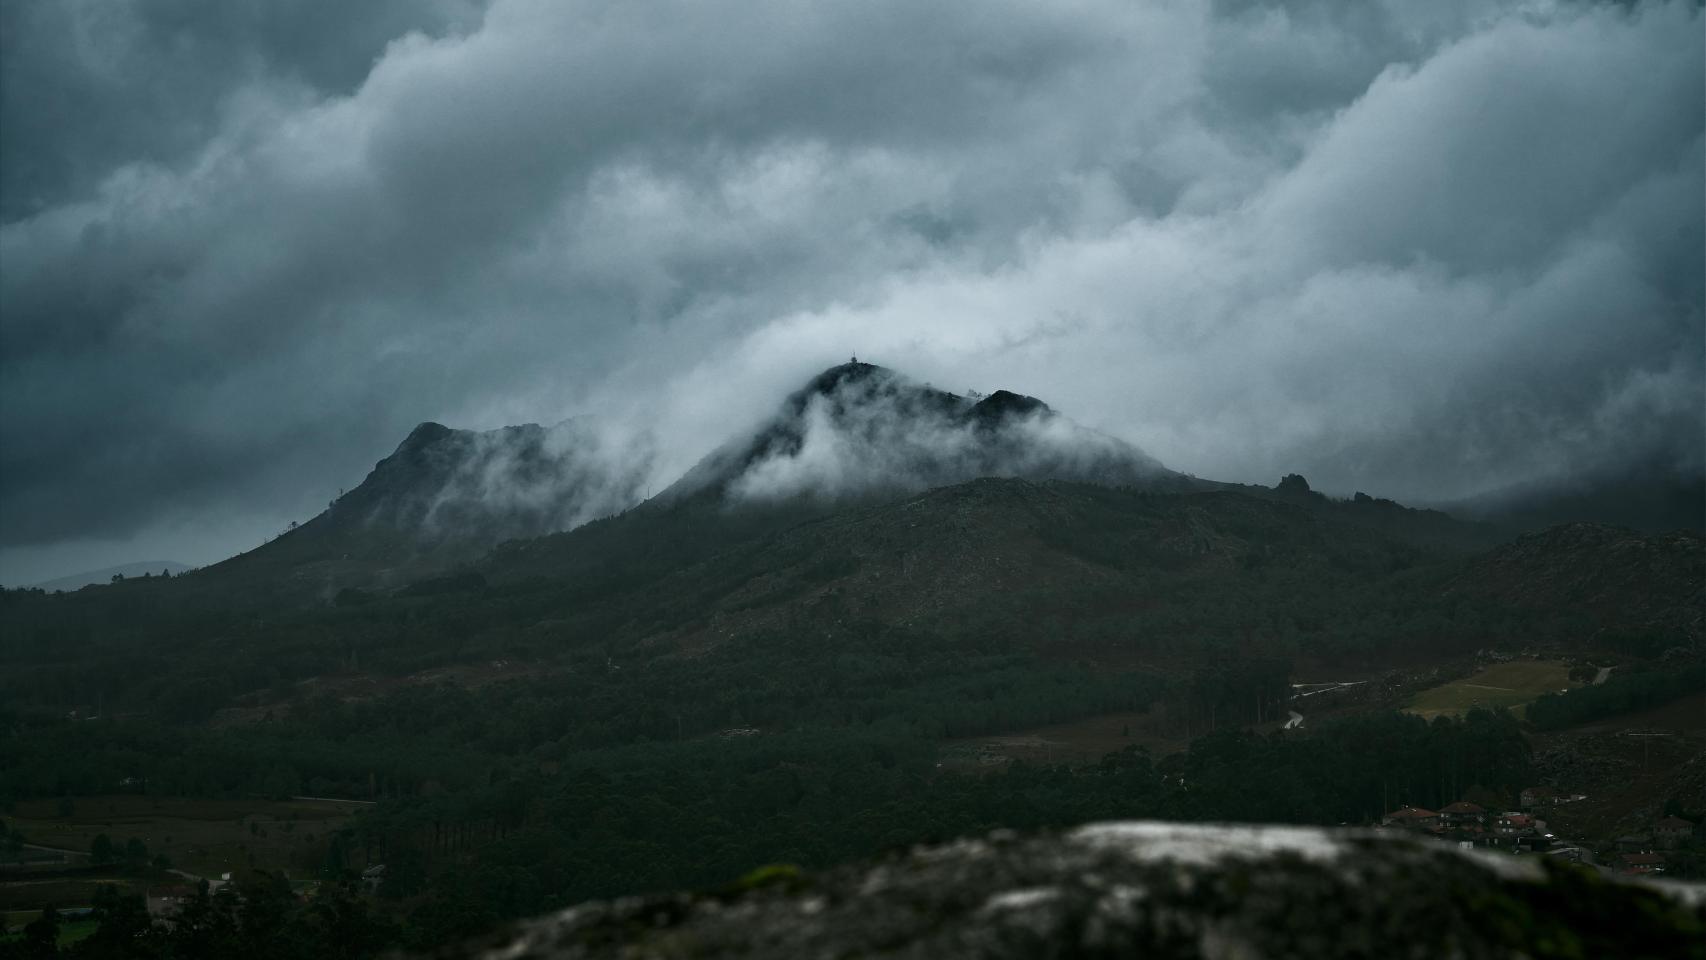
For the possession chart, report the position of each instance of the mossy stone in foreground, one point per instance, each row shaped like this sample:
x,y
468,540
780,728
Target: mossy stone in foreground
x,y
1148,890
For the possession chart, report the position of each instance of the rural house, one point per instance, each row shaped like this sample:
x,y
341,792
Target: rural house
x,y
1464,814
1411,818
1641,863
1517,825
1633,843
1671,831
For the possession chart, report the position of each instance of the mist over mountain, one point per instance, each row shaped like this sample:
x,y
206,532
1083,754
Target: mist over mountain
x,y
856,433
446,496
1286,412
528,480
861,430
1651,494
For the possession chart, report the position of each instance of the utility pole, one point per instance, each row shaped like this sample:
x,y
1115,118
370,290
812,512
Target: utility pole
x,y
1646,746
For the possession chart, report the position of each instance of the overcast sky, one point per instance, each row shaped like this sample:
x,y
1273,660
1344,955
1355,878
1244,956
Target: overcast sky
x,y
1420,249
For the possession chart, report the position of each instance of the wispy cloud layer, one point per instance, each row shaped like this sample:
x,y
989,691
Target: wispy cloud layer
x,y
1416,249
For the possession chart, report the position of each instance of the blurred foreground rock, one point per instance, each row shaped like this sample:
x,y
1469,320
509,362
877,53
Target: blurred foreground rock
x,y
1146,890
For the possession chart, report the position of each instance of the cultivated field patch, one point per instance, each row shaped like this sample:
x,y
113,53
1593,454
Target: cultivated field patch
x,y
1075,742
1512,685
206,837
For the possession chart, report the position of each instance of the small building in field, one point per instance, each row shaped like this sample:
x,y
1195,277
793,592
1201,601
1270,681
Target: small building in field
x,y
1673,831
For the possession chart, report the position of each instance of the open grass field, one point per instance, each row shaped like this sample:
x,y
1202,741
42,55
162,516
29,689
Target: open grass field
x,y
70,931
29,896
202,836
1513,685
1076,742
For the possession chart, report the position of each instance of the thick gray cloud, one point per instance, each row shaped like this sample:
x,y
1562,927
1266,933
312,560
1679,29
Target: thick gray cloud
x,y
89,86
1416,249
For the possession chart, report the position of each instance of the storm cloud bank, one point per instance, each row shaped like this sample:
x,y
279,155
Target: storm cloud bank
x,y
1422,250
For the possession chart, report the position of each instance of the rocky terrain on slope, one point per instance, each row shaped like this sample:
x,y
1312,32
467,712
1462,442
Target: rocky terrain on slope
x,y
1619,576
1144,889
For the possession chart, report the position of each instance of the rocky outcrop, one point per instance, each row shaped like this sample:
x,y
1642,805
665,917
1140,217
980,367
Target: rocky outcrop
x,y
1145,890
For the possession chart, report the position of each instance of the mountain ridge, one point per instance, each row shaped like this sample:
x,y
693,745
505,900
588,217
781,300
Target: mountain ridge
x,y
859,429
76,581
853,436
854,433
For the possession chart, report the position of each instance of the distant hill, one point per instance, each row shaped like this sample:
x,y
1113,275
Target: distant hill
x,y
1651,496
1048,566
78,581
1620,579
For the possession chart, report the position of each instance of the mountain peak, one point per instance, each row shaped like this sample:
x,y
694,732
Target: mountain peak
x,y
1005,404
445,496
425,435
845,373
858,429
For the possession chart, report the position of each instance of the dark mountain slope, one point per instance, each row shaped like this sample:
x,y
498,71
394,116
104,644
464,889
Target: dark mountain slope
x,y
962,584
1122,575
1615,577
1048,566
1421,526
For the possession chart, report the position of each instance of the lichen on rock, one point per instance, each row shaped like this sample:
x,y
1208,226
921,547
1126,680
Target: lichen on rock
x,y
1153,890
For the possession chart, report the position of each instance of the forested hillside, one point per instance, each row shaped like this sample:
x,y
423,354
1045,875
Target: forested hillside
x,y
678,693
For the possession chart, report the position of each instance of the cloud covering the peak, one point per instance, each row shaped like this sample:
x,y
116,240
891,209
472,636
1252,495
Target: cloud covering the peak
x,y
1422,250
859,430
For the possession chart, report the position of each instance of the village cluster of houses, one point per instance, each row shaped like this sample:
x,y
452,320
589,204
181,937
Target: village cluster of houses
x,y
1471,825
1645,853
